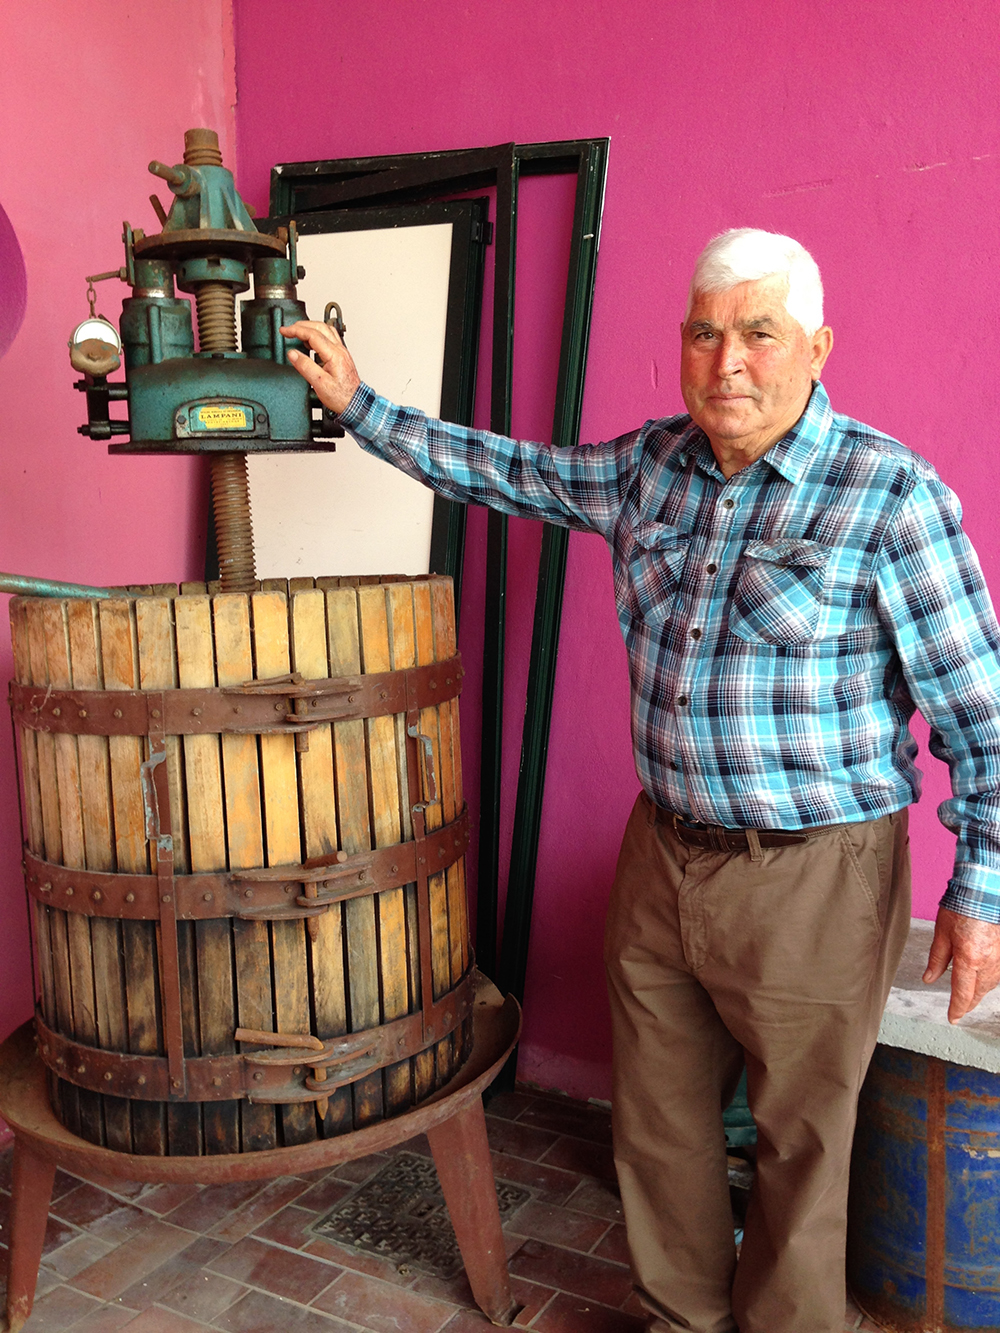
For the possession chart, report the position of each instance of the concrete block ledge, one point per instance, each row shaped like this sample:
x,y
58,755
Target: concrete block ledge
x,y
916,1016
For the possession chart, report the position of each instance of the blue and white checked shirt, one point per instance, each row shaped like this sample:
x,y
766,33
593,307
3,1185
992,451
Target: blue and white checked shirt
x,y
781,626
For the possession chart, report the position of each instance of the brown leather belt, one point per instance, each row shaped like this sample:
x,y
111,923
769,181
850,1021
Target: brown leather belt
x,y
716,838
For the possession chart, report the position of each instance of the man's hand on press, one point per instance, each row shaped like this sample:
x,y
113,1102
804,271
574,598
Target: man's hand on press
x,y
335,378
973,949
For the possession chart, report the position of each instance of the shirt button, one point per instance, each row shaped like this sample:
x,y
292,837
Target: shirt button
x,y
682,699
696,634
729,504
675,767
713,568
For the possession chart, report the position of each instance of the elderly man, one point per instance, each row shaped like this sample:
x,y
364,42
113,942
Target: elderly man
x,y
791,585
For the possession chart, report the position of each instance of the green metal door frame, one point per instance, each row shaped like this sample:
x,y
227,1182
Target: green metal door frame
x,y
301,187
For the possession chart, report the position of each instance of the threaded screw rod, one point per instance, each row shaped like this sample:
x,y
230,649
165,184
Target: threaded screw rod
x,y
233,523
216,305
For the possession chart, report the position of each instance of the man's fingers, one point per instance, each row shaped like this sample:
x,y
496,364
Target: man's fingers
x,y
307,368
321,338
938,958
963,990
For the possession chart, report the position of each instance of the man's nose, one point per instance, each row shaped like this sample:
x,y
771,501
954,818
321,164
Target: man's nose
x,y
730,356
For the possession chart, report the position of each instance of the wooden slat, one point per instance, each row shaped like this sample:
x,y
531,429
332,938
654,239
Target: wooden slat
x,y
440,951
32,796
332,795
451,778
383,767
354,818
207,851
158,671
291,941
245,841
94,759
403,653
119,655
56,938
99,838
73,928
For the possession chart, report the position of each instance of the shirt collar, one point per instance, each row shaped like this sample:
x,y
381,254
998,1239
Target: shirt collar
x,y
793,452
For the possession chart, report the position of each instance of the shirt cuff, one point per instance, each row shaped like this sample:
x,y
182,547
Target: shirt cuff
x,y
976,895
354,414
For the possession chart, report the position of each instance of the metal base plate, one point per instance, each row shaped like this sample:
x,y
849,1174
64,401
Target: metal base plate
x,y
400,1215
228,444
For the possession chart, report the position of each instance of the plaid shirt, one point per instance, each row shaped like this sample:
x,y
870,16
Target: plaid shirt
x,y
781,626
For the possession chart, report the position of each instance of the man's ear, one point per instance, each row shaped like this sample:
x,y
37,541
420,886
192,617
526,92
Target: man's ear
x,y
822,345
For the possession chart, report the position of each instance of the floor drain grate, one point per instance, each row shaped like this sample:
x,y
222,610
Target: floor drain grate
x,y
400,1215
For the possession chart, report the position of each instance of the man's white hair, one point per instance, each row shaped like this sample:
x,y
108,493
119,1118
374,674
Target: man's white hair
x,y
746,254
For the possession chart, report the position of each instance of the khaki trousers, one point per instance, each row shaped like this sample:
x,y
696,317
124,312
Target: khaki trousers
x,y
786,962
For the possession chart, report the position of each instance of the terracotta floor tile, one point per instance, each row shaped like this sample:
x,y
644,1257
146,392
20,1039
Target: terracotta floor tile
x,y
78,1254
418,1144
455,1290
289,1226
358,1262
57,1234
599,1197
634,1306
297,1277
58,1310
105,1319
62,1184
570,1314
270,1200
558,1226
468,1321
361,1168
125,1189
86,1203
157,1320
211,1204
381,1307
529,1295
312,1176
203,1295
131,1261
509,1105
260,1313
579,1274
510,1136
569,1117
181,1268
589,1159
551,1185
324,1194
613,1245
163,1199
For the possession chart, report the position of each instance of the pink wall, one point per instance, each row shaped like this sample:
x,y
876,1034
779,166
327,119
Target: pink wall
x,y
89,94
867,131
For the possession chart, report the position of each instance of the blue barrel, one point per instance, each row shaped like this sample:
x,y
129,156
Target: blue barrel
x,y
924,1214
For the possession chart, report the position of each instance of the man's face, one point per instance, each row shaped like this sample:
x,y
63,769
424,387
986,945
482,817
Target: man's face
x,y
747,367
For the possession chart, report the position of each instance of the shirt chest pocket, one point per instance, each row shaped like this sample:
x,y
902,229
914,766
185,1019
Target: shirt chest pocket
x,y
655,567
780,591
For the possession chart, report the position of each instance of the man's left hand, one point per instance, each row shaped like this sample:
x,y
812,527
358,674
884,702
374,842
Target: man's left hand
x,y
973,949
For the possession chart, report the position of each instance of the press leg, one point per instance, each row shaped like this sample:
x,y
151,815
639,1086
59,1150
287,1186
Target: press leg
x,y
462,1157
31,1193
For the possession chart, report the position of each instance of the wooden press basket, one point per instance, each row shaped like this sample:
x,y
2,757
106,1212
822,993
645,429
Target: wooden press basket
x,y
244,811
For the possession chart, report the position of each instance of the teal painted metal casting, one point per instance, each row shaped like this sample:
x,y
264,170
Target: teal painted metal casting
x,y
222,397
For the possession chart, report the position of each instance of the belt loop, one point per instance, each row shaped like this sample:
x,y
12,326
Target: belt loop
x,y
753,842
